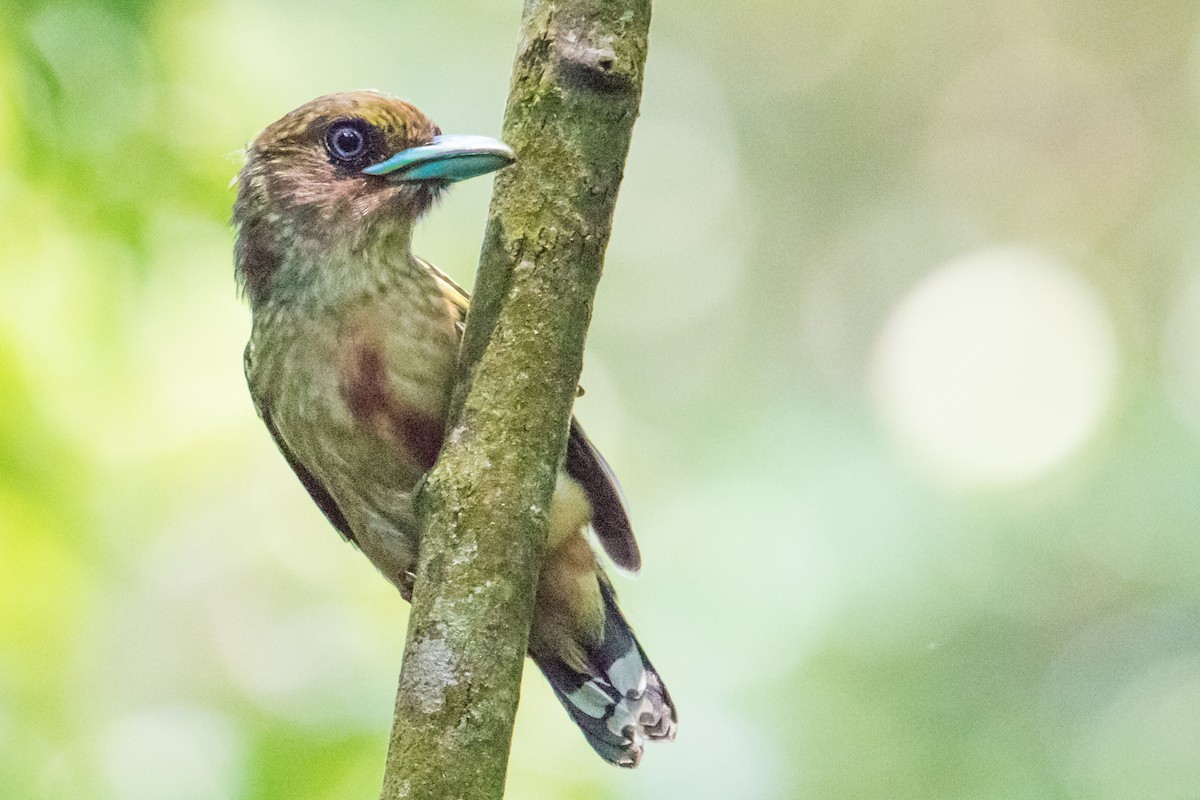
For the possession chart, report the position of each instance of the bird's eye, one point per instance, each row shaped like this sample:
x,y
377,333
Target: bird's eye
x,y
346,141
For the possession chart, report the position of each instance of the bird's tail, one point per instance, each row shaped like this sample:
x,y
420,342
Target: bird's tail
x,y
620,701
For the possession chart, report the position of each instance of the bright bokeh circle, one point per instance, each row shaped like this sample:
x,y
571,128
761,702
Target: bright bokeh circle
x,y
996,367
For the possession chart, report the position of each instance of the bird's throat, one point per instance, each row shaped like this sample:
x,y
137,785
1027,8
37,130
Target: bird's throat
x,y
330,272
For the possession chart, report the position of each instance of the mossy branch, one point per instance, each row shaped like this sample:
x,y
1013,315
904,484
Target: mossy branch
x,y
574,96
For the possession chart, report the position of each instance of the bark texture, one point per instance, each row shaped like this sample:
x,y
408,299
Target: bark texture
x,y
574,96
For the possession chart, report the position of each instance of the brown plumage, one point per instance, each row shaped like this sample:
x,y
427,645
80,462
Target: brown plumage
x,y
351,362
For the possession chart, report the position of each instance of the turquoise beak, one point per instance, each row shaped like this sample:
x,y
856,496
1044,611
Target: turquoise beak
x,y
446,158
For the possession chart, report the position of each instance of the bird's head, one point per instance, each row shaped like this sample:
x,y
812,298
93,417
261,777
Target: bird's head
x,y
350,171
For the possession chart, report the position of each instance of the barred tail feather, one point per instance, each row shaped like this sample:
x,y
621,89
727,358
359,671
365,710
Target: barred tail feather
x,y
621,701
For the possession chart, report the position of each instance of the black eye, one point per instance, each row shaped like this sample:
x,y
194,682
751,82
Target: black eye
x,y
348,140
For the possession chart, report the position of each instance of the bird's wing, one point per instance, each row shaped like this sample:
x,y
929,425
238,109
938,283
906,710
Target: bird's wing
x,y
459,298
610,513
457,295
316,489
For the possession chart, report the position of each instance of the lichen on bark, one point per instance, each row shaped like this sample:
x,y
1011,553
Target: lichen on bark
x,y
574,95
434,669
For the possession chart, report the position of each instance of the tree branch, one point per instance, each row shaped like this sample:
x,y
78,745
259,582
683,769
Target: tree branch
x,y
574,96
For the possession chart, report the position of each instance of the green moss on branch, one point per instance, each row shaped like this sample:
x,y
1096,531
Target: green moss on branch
x,y
574,96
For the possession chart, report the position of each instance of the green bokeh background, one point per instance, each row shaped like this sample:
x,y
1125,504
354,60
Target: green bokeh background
x,y
848,600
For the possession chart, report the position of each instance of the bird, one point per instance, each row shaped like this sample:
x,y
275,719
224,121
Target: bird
x,y
351,363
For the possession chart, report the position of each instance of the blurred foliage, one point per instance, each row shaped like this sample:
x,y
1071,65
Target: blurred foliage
x,y
850,595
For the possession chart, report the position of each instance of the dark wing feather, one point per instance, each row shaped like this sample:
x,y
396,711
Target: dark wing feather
x,y
610,514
